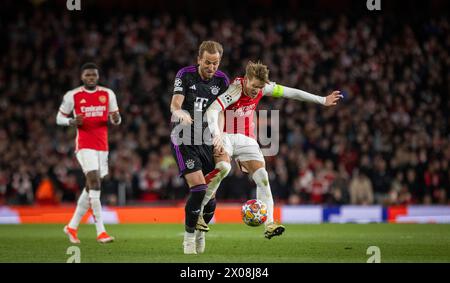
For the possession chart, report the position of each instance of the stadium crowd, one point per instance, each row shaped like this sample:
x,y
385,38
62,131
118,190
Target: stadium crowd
x,y
387,142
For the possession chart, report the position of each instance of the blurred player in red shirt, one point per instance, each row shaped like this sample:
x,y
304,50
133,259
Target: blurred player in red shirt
x,y
92,106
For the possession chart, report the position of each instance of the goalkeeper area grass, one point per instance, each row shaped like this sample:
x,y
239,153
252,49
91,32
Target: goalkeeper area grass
x,y
231,243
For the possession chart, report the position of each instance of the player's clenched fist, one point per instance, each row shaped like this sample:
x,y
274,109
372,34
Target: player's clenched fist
x,y
115,117
77,121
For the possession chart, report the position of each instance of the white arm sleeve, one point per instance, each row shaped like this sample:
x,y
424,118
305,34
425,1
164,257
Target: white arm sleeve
x,y
230,96
62,120
67,104
276,90
65,109
112,106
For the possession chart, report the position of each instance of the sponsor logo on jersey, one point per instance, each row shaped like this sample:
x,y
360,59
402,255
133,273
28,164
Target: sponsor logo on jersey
x,y
93,111
200,103
244,110
190,163
192,87
83,100
215,90
102,99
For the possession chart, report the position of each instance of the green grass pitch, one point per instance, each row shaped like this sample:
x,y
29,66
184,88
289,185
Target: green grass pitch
x,y
232,243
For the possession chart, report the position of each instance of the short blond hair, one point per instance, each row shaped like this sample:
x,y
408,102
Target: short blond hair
x,y
257,71
210,47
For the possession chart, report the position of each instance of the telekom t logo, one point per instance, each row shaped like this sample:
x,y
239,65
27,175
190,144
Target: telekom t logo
x,y
200,103
73,5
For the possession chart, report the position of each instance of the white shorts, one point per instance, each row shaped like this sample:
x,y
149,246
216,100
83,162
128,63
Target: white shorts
x,y
242,148
91,160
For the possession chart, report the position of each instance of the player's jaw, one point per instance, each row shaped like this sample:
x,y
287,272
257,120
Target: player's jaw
x,y
253,86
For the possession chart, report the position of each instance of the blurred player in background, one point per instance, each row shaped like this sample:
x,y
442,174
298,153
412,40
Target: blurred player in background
x,y
239,103
91,106
195,88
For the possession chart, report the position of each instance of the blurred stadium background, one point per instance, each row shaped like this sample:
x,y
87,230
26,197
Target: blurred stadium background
x,y
381,155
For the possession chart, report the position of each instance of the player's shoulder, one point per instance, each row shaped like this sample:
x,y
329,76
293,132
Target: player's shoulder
x,y
235,88
237,81
222,76
188,70
105,89
71,93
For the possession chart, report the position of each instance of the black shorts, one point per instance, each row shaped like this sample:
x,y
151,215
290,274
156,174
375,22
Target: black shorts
x,y
191,158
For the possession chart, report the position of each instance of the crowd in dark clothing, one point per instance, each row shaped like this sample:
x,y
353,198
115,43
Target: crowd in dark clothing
x,y
387,142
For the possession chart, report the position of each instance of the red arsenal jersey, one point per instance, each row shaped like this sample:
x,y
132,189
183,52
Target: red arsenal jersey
x,y
95,106
240,114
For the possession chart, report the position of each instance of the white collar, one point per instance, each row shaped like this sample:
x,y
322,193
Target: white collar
x,y
90,91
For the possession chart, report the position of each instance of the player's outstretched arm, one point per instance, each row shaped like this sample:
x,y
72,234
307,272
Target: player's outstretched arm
x,y
276,90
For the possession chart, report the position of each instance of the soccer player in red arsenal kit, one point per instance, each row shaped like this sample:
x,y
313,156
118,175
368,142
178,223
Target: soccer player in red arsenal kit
x,y
239,103
92,106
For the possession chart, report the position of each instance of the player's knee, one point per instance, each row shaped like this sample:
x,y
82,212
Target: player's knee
x,y
94,183
261,177
224,168
195,179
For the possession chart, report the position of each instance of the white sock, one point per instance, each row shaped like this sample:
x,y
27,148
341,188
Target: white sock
x,y
221,171
263,191
94,198
80,211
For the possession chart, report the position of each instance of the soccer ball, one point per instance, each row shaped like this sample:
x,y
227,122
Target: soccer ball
x,y
254,212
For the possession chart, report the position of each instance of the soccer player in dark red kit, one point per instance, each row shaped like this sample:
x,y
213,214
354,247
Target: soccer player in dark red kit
x,y
92,106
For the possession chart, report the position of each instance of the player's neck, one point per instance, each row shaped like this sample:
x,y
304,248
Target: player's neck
x,y
90,88
201,75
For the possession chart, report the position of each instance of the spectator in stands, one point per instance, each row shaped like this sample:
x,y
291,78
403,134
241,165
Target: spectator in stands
x,y
361,189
